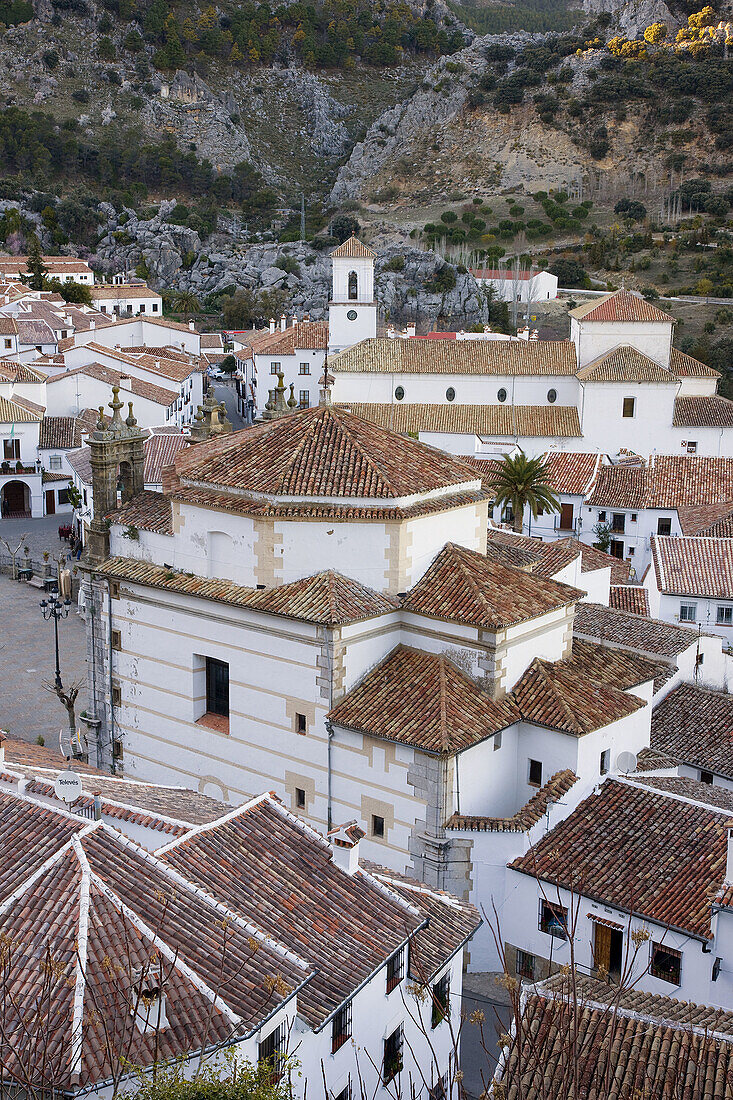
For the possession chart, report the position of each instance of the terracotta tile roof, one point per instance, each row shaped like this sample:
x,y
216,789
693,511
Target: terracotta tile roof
x,y
629,597
638,851
212,340
694,725
543,559
538,421
571,472
591,558
20,372
8,327
684,366
176,368
722,529
619,628
345,926
561,696
625,364
136,386
161,322
160,451
622,305
322,452
30,406
353,249
147,510
80,462
32,833
102,293
501,357
693,566
633,1044
50,477
423,699
18,411
617,668
463,586
327,598
558,785
703,411
621,487
720,798
65,432
698,519
34,332
301,336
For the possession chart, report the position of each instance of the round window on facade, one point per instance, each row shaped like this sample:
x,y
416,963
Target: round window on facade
x,y
552,396
502,395
450,394
351,315
399,393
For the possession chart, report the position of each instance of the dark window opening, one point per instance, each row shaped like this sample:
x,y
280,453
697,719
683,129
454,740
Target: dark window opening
x,y
217,687
399,393
605,761
552,396
525,965
553,919
377,825
629,407
11,448
618,522
392,1056
535,773
501,395
300,798
270,1052
353,286
705,776
666,964
450,394
616,548
441,1000
301,724
395,969
341,1027
664,526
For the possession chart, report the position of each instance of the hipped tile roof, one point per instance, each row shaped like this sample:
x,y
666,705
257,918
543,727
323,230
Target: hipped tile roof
x,y
694,725
19,412
65,432
463,586
629,1044
543,559
684,366
703,411
20,372
629,597
523,820
693,566
322,452
620,628
562,697
423,699
499,357
301,336
538,421
625,364
327,598
638,851
617,668
137,386
621,305
706,519
353,249
571,472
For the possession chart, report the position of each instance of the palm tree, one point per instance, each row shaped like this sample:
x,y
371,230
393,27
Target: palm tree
x,y
186,302
521,481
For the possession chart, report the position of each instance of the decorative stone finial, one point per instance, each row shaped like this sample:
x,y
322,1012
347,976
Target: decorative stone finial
x,y
131,422
102,422
292,403
115,405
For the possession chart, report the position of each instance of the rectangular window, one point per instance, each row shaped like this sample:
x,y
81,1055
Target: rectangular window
x,y
63,496
629,407
664,525
534,777
155,307
217,687
691,447
724,616
304,368
142,308
616,548
553,919
618,522
441,1000
633,517
688,612
666,963
54,462
11,448
395,969
605,761
341,1027
299,798
8,343
525,965
118,751
497,742
304,399
116,695
392,1056
716,968
301,724
601,517
377,825
270,1051
706,777
116,639
274,368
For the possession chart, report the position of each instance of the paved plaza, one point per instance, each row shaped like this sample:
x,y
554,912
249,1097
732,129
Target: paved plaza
x,y
27,647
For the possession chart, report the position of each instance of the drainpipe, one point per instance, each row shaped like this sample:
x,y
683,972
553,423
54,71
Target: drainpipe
x,y
111,696
328,638
329,731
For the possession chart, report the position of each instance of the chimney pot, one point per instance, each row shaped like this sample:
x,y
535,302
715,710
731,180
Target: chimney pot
x,y
191,325
344,841
273,324
283,322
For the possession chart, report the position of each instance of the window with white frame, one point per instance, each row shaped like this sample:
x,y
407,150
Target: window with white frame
x,y
305,368
274,368
666,963
688,612
54,462
724,616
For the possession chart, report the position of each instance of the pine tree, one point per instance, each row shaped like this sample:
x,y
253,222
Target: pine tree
x,y
36,267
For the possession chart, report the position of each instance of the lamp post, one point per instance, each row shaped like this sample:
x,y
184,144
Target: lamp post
x,y
56,609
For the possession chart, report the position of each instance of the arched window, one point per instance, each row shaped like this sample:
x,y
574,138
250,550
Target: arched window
x,y
353,286
552,396
399,393
450,394
501,395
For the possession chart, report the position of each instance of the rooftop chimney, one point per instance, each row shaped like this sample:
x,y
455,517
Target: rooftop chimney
x,y
273,324
92,325
126,383
344,840
192,326
283,322
729,859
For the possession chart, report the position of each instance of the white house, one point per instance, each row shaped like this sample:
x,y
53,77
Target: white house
x,y
210,962
691,581
74,390
21,488
67,269
295,349
127,299
528,287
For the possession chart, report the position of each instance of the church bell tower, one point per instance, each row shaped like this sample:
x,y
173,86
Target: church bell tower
x,y
352,311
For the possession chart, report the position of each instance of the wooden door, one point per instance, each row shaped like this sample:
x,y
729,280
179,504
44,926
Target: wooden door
x,y
50,502
602,947
566,517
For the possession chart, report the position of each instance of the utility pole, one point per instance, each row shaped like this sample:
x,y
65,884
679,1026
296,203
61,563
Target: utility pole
x,y
302,215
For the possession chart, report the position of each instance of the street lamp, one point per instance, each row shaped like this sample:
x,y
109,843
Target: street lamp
x,y
56,609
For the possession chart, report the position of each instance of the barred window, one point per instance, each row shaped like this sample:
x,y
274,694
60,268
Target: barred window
x,y
341,1027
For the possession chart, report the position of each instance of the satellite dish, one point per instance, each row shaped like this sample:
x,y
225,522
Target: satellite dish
x,y
68,786
626,762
